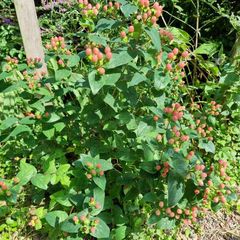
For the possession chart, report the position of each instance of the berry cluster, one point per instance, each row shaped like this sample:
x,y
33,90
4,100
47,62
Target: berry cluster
x,y
166,35
33,62
203,130
149,14
110,7
214,108
33,80
94,171
175,112
12,63
34,221
58,45
93,204
88,9
165,169
188,216
87,226
212,192
95,55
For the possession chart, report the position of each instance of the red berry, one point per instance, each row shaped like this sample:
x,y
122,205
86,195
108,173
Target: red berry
x,y
101,71
154,19
196,191
109,55
83,218
179,211
175,51
94,58
100,56
96,51
181,65
131,29
185,54
158,167
123,34
169,67
155,118
161,204
75,219
171,55
159,138
107,50
99,165
203,175
158,212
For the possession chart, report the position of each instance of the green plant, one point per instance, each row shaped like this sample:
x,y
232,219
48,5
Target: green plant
x,y
115,136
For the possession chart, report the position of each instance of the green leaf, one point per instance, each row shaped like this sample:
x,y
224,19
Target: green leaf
x,y
150,197
148,152
99,196
76,78
59,126
137,78
27,171
55,217
104,24
128,9
161,81
94,84
53,118
155,37
176,188
61,197
73,60
148,166
180,36
17,130
207,146
110,100
15,87
102,230
120,233
229,79
110,79
41,181
179,164
7,123
101,40
100,182
62,74
119,59
49,133
207,48
69,226
118,216
166,223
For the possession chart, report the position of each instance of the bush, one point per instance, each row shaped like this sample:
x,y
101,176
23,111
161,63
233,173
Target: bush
x,y
113,137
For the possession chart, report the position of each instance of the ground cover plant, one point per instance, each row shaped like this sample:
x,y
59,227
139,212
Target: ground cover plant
x,y
122,133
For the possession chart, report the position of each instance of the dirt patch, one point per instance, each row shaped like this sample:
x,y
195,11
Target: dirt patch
x,y
215,226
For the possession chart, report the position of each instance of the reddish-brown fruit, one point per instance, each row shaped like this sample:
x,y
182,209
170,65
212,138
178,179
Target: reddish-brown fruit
x,y
155,118
101,71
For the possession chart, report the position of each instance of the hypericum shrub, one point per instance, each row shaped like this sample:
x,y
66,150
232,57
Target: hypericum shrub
x,y
112,137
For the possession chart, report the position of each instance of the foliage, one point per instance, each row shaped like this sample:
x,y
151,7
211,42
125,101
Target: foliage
x,y
120,133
